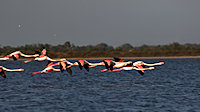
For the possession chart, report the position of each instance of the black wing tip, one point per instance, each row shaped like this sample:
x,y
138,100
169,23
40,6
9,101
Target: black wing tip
x,y
61,68
3,73
4,76
141,73
116,59
14,58
69,70
86,66
79,64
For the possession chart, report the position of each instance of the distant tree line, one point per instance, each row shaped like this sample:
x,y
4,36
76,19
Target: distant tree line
x,y
69,50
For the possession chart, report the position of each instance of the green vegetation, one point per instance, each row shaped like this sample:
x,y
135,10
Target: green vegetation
x,y
69,50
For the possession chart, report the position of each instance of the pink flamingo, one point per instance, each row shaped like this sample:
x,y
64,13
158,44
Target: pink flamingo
x,y
141,65
48,68
15,55
120,63
135,68
65,65
42,57
109,64
117,63
3,71
81,64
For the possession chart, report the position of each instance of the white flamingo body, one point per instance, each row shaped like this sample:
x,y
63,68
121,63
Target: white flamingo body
x,y
121,64
22,54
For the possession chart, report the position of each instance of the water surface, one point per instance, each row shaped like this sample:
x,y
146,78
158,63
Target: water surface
x,y
174,86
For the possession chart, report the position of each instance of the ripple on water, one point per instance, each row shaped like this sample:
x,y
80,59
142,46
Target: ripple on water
x,y
174,86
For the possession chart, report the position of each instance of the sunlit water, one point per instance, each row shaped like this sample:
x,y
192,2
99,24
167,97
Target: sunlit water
x,y
174,86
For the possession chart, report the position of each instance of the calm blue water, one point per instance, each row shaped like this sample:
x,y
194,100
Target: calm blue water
x,y
174,86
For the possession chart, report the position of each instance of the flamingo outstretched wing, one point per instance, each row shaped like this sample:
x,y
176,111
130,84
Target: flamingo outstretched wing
x,y
140,67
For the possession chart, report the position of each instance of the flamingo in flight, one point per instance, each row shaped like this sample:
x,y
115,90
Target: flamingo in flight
x,y
133,68
81,64
120,63
108,64
15,55
3,71
42,57
48,68
65,65
141,65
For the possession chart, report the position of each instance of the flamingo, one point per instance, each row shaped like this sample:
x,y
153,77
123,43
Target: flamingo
x,y
81,64
141,65
65,65
120,63
135,68
109,64
3,71
42,57
15,55
48,68
117,63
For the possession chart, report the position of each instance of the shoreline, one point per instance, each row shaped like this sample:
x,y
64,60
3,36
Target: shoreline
x,y
164,57
103,58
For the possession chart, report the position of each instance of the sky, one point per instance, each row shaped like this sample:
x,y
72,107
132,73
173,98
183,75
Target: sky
x,y
90,22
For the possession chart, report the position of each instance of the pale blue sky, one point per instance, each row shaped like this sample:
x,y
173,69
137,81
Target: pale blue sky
x,y
85,22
